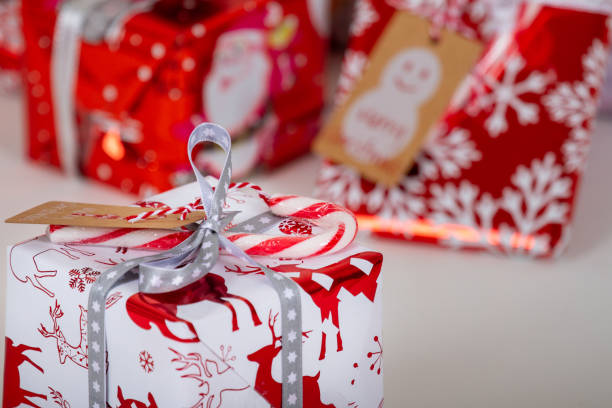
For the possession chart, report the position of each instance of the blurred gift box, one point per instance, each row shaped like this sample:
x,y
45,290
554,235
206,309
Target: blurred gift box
x,y
500,169
114,90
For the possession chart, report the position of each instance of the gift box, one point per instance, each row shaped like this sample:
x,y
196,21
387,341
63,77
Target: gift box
x,y
213,343
500,170
157,69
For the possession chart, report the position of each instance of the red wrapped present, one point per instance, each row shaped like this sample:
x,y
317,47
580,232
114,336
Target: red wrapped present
x,y
501,169
155,71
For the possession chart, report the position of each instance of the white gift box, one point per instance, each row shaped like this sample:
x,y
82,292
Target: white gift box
x,y
215,343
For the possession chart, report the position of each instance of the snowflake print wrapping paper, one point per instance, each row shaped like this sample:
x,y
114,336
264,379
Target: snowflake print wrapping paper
x,y
255,68
501,169
213,344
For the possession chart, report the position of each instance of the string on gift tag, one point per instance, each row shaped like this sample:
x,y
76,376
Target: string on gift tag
x,y
162,212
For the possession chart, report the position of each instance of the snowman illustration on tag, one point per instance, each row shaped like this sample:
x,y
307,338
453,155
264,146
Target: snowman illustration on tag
x,y
383,121
236,89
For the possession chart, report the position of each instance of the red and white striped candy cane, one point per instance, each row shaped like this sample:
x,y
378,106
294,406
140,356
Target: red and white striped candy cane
x,y
338,225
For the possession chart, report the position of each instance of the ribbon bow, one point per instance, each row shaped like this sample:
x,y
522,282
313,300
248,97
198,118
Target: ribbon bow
x,y
188,262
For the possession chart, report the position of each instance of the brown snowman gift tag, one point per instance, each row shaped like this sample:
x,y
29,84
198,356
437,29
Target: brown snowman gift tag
x,y
409,81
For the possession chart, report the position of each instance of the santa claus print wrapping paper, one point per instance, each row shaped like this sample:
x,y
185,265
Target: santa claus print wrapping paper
x,y
501,169
160,69
215,343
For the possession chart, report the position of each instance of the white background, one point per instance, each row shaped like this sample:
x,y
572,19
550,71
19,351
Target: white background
x,y
460,329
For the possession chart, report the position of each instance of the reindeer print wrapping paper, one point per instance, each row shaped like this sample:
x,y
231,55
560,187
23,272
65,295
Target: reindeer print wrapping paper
x,y
501,169
215,343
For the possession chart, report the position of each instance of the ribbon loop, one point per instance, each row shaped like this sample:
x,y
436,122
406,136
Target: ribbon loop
x,y
212,201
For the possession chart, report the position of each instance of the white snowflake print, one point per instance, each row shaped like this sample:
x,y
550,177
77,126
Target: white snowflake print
x,y
497,96
340,184
401,202
482,11
466,215
570,104
574,104
353,66
446,154
576,149
535,200
365,16
595,63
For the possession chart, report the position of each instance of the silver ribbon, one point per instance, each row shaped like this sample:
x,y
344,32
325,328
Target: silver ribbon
x,y
161,273
93,20
64,69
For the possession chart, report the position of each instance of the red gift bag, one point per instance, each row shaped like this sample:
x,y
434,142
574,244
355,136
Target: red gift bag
x,y
157,70
502,167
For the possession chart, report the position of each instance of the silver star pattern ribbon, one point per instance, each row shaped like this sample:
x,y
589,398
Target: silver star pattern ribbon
x,y
190,261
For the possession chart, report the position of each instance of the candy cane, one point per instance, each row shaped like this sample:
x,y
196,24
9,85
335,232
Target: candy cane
x,y
337,228
338,225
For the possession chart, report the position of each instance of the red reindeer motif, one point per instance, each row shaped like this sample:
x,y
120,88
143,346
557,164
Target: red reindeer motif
x,y
26,275
14,395
271,389
78,353
132,403
161,309
357,274
216,377
146,311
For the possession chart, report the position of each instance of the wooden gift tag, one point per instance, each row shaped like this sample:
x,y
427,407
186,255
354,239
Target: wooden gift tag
x,y
408,83
98,215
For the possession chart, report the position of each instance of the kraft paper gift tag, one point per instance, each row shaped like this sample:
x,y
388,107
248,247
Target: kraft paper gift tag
x,y
99,215
408,83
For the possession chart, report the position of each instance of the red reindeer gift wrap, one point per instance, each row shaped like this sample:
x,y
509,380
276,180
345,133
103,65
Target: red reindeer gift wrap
x,y
254,67
215,343
501,169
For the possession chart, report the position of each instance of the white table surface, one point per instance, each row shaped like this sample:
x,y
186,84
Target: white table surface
x,y
460,329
